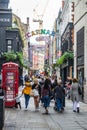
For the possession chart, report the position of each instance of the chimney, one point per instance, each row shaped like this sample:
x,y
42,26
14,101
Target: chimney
x,y
27,21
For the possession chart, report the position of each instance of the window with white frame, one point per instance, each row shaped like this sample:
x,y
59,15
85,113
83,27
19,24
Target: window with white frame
x,y
9,45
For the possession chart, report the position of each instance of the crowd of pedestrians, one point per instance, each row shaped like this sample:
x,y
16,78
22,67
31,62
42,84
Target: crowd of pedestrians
x,y
47,88
43,89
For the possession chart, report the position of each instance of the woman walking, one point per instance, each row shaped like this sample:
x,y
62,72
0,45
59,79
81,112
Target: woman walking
x,y
37,93
45,94
27,91
75,95
59,96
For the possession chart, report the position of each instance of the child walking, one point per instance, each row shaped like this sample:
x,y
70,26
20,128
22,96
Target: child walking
x,y
18,102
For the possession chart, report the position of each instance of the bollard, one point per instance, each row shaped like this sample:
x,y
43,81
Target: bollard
x,y
2,112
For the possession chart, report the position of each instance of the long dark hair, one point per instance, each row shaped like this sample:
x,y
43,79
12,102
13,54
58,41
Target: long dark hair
x,y
46,83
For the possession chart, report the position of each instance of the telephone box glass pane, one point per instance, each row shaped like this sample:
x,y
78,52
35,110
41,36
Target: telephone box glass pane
x,y
10,78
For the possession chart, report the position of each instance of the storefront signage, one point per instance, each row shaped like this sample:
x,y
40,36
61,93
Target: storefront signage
x,y
5,19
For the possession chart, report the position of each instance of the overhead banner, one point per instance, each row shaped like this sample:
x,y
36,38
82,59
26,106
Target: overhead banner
x,y
38,32
42,38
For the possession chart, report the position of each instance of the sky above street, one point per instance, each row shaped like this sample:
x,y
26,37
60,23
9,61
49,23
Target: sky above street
x,y
47,10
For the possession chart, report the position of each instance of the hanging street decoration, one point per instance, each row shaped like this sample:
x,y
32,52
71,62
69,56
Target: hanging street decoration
x,y
42,38
38,32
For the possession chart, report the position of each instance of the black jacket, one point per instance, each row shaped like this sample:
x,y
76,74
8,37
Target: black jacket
x,y
1,92
59,92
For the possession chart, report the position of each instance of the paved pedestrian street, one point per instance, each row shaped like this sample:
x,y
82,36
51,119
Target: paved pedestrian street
x,y
16,119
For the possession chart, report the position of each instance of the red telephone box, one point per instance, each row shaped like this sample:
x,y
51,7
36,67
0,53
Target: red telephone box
x,y
10,82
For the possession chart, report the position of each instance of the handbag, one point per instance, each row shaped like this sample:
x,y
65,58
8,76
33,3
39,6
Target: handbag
x,y
79,90
35,91
32,93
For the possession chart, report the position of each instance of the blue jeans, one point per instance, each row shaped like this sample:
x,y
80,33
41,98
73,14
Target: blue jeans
x,y
59,103
27,97
46,101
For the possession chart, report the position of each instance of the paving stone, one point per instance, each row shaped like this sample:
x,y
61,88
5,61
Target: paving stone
x,y
16,119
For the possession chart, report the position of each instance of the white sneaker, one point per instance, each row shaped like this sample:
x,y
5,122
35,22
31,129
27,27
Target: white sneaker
x,y
37,109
